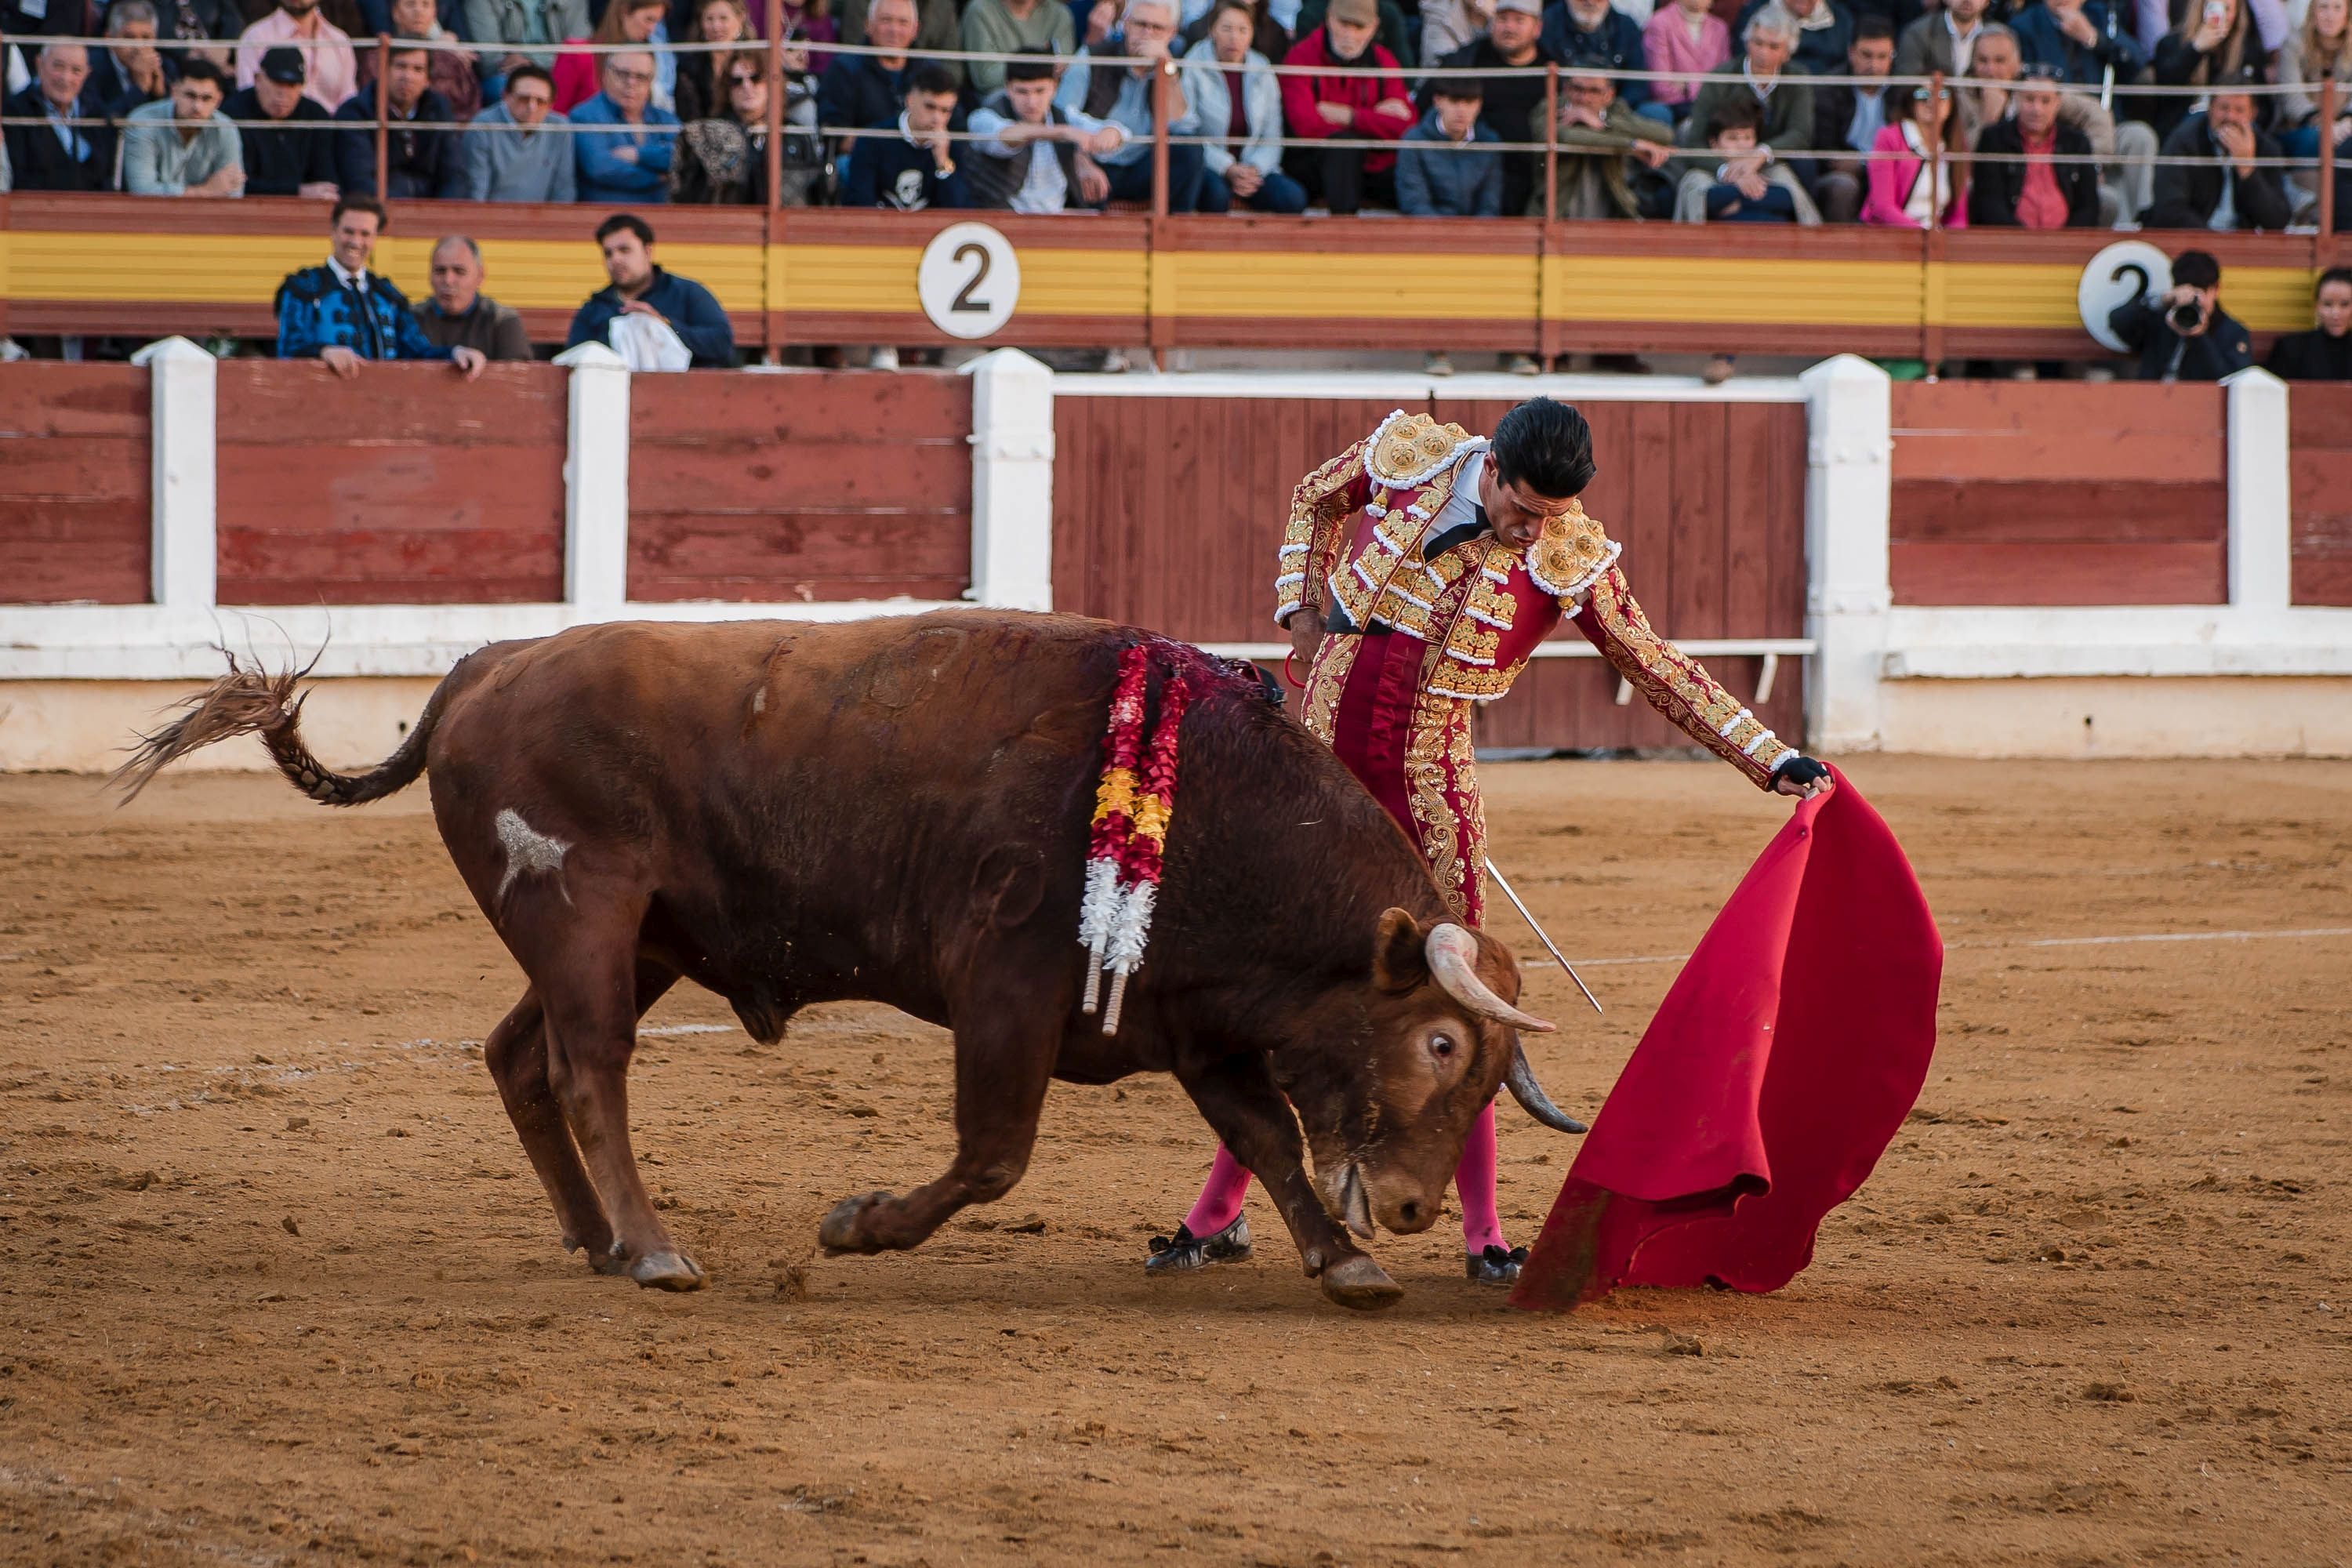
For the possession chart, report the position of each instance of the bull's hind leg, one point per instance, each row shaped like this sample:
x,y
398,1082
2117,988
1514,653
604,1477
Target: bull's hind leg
x,y
516,1054
1002,1067
592,1010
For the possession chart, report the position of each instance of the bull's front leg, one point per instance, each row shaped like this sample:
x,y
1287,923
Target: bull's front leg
x,y
1001,1073
1238,1098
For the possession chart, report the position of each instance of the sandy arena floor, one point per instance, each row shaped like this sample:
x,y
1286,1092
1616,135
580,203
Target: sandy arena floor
x,y
280,1287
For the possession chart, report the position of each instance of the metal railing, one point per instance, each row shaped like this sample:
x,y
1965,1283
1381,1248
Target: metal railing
x,y
1166,73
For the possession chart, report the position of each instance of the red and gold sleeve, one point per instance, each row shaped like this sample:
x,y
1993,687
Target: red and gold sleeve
x,y
1319,509
1675,684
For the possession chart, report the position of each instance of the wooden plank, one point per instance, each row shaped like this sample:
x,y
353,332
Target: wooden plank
x,y
278,403
1785,612
2058,510
1698,484
2059,573
393,489
875,407
368,567
2319,414
70,551
51,397
2322,576
681,548
2021,407
803,477
74,467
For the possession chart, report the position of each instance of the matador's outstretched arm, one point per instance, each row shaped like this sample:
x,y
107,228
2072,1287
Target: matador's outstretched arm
x,y
1677,685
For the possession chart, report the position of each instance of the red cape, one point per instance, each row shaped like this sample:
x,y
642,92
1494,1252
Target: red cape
x,y
1780,1065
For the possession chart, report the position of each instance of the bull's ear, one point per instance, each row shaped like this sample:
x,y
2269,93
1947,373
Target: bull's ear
x,y
1399,961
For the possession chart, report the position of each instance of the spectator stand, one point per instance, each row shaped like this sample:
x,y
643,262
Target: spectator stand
x,y
102,264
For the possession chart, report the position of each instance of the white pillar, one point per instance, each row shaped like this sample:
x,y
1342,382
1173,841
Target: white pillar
x,y
183,564
1848,501
597,479
1011,482
2262,566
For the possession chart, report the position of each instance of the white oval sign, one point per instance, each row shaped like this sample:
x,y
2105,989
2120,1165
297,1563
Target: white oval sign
x,y
970,280
2126,270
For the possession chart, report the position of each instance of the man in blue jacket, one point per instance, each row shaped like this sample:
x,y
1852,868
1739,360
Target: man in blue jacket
x,y
1441,170
640,288
341,313
2073,37
631,162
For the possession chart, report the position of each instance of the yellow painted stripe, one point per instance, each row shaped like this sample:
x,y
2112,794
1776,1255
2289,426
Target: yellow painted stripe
x,y
1054,282
1731,290
1328,284
209,269
1301,285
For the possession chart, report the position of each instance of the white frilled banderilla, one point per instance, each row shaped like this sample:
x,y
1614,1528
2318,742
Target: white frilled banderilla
x,y
1133,803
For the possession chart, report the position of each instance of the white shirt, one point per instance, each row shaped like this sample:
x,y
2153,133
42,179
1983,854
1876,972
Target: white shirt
x,y
1964,45
1932,188
358,280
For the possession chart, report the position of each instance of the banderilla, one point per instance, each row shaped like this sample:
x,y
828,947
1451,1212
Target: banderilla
x,y
1543,936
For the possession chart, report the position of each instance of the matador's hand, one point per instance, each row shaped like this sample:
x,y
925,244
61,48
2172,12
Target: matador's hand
x,y
1305,635
1803,777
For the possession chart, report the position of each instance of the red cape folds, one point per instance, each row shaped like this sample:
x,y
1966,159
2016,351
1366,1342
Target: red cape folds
x,y
1780,1065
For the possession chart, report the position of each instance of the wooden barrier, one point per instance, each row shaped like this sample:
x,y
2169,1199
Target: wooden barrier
x,y
768,488
2319,421
406,485
1168,510
74,507
2041,493
139,266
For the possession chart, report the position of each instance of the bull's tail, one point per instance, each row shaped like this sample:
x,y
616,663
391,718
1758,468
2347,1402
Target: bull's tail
x,y
249,700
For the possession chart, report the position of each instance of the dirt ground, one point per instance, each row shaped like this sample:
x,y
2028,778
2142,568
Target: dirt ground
x,y
279,1287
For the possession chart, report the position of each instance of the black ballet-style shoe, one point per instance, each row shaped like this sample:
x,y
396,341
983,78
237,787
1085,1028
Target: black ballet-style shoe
x,y
1184,1251
1494,1265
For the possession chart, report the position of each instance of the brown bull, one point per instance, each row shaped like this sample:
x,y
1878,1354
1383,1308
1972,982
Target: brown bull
x,y
896,811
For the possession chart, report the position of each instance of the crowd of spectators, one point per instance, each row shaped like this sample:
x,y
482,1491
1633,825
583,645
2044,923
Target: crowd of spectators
x,y
1785,113
2054,128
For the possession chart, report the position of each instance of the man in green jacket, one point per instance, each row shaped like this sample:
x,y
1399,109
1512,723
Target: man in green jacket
x,y
1600,141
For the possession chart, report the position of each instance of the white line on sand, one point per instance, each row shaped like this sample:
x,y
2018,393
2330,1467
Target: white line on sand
x,y
2035,942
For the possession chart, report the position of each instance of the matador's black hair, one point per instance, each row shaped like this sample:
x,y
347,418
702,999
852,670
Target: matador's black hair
x,y
1545,445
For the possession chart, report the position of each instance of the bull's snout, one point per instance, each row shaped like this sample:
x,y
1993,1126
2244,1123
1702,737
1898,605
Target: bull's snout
x,y
1402,1205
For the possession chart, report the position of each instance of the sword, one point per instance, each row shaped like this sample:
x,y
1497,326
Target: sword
x,y
1495,872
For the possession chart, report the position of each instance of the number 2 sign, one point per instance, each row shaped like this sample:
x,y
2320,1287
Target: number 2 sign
x,y
970,280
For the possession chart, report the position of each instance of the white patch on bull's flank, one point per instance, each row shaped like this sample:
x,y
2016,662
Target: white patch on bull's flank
x,y
527,850
759,701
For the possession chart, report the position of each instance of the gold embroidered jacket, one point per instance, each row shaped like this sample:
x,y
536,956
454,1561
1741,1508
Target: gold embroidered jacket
x,y
1386,572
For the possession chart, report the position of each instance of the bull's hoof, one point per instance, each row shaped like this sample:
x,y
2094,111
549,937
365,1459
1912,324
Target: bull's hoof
x,y
667,1271
843,1229
1359,1284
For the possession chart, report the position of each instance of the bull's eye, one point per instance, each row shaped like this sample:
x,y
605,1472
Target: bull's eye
x,y
1440,1046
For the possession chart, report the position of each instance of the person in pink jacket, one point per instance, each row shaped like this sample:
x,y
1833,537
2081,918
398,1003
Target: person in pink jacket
x,y
1907,188
1687,35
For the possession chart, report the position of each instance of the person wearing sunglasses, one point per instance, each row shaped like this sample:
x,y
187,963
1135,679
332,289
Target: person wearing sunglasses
x,y
723,160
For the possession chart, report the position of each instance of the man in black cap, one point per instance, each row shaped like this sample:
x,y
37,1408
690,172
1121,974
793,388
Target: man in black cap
x,y
295,156
2184,334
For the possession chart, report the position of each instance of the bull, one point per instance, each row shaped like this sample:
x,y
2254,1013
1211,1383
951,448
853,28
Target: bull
x,y
896,810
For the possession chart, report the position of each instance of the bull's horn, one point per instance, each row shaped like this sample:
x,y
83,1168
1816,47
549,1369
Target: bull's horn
x,y
1451,954
1529,1092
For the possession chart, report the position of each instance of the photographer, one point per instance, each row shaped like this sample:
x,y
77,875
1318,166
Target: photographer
x,y
2184,334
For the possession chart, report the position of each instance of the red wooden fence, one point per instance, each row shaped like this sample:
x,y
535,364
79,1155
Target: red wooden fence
x,y
752,487
2319,458
74,511
1167,511
406,485
2043,493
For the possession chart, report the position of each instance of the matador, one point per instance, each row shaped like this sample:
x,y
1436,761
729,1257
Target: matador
x,y
1420,570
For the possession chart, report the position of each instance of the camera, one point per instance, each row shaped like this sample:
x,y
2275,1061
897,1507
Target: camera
x,y
2185,316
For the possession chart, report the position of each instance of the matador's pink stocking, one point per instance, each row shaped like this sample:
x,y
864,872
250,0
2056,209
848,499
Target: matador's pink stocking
x,y
1220,1202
